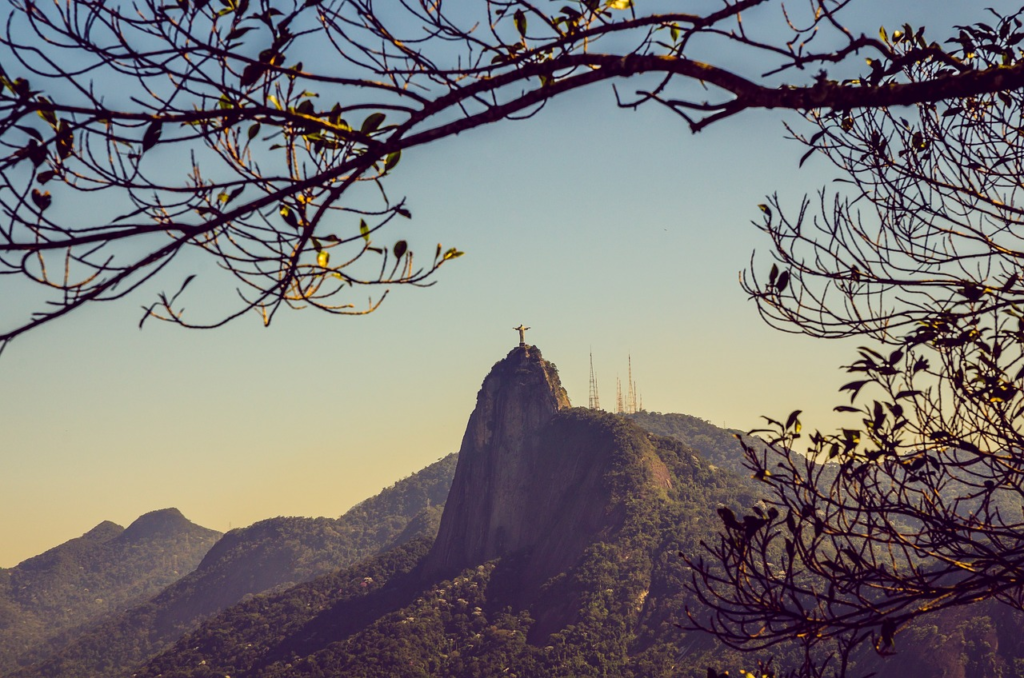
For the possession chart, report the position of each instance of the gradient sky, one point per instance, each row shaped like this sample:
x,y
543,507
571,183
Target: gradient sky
x,y
603,230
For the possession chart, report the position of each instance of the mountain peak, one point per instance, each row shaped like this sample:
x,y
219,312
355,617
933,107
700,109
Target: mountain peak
x,y
104,531
161,523
518,397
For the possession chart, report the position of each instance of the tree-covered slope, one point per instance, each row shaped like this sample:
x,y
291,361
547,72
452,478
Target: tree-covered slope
x,y
610,611
272,554
718,445
104,571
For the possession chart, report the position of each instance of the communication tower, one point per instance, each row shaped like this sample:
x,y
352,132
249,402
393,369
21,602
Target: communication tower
x,y
618,396
595,399
631,390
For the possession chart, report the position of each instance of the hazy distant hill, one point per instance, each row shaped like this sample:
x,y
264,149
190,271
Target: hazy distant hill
x,y
717,445
556,556
272,554
103,571
277,553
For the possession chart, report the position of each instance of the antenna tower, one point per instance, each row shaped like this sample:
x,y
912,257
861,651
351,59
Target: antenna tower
x,y
595,399
618,396
631,390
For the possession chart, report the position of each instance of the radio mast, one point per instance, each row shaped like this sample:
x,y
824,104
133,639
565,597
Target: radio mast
x,y
631,390
595,399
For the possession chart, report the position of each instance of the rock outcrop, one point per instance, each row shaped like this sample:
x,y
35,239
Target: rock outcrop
x,y
485,516
554,556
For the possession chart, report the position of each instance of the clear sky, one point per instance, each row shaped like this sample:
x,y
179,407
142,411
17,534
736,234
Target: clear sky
x,y
603,230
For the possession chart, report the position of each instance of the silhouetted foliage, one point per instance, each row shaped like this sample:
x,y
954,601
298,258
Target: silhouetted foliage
x,y
259,133
916,507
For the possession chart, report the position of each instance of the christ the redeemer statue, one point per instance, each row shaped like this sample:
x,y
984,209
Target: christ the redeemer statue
x,y
522,335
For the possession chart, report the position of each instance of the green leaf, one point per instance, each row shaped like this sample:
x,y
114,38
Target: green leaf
x,y
323,258
364,230
401,247
619,4
21,87
251,73
65,141
392,160
882,34
854,388
254,129
228,197
783,281
34,133
805,156
48,116
152,135
767,210
239,32
372,122
41,199
288,214
520,20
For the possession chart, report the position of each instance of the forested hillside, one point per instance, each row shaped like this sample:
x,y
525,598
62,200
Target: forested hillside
x,y
272,554
104,571
718,445
612,612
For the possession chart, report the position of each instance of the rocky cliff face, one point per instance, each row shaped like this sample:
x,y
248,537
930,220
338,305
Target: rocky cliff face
x,y
555,556
485,515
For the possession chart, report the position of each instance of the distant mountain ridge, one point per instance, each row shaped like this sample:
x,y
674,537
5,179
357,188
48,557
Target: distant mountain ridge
x,y
555,557
276,554
105,570
718,445
271,555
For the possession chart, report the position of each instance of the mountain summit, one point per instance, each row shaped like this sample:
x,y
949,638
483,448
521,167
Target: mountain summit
x,y
157,525
44,599
555,556
483,517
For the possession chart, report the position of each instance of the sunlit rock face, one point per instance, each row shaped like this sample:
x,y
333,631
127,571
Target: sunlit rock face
x,y
538,485
486,513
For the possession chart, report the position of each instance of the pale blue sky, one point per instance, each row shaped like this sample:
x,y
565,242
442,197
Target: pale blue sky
x,y
599,228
